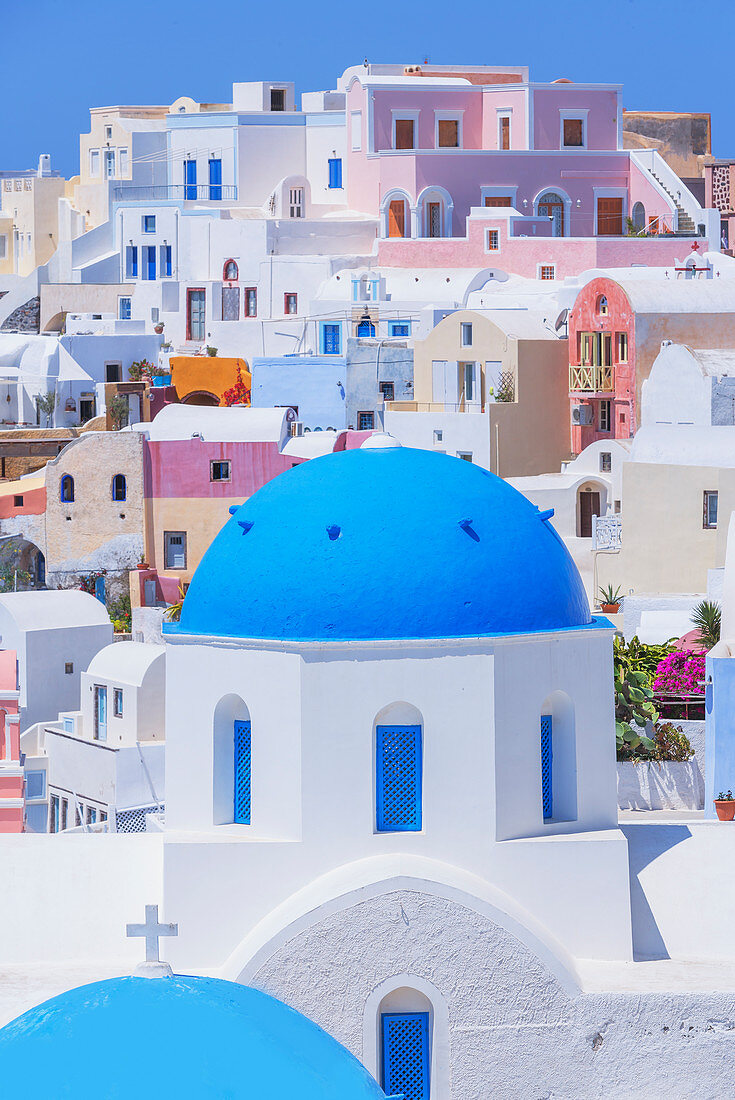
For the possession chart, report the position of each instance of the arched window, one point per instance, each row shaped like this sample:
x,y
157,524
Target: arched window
x,y
232,762
398,769
405,1044
119,487
67,489
558,759
230,273
602,307
551,205
639,216
365,327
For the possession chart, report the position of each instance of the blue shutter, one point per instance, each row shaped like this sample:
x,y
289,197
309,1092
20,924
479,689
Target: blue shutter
x,y
406,1060
215,179
150,268
398,778
190,179
242,773
546,760
331,339
165,261
131,261
335,172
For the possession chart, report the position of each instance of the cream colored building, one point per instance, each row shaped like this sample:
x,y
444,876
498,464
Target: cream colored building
x,y
505,371
29,218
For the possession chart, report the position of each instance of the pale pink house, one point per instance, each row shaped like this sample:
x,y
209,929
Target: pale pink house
x,y
11,771
533,173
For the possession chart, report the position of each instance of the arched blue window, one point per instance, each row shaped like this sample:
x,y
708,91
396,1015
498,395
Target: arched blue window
x,y
119,487
67,489
398,778
242,773
405,1054
366,328
547,756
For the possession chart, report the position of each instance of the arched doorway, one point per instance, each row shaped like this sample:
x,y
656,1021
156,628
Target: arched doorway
x,y
591,501
435,207
200,397
551,205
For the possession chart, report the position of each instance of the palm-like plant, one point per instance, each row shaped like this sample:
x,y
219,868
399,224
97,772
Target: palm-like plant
x,y
707,619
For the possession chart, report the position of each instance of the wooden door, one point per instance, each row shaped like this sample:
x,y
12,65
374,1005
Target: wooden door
x,y
397,218
589,506
609,217
497,200
434,219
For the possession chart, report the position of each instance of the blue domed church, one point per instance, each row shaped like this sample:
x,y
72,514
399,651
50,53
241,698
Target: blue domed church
x,y
391,788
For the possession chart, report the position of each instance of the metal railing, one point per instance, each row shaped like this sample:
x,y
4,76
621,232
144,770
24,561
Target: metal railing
x,y
590,379
607,532
183,192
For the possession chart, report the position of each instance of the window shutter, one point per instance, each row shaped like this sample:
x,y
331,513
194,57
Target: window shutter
x,y
398,775
546,762
406,1064
242,773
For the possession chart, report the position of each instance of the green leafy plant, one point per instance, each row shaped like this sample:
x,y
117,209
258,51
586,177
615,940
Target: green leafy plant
x,y
139,370
608,594
706,617
211,351
634,707
725,797
120,612
173,613
637,656
118,410
46,404
672,743
12,580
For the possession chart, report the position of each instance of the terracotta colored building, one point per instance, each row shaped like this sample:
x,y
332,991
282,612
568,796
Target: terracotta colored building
x,y
616,328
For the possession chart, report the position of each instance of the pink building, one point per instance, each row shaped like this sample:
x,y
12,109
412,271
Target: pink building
x,y
525,162
11,771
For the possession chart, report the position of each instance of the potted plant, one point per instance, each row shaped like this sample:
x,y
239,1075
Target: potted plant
x,y
725,806
609,598
160,376
158,328
140,370
211,351
142,563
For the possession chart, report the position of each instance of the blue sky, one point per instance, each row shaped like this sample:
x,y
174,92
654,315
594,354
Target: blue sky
x,y
65,56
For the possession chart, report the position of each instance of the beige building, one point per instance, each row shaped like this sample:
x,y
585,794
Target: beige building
x,y
29,219
498,377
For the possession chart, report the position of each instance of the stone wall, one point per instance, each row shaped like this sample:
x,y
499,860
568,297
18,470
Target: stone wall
x,y
25,318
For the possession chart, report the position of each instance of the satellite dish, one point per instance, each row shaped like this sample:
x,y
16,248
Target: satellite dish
x,y
561,319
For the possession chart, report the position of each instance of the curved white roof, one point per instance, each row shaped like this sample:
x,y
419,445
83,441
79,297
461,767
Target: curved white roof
x,y
679,295
311,444
217,425
50,610
126,662
685,445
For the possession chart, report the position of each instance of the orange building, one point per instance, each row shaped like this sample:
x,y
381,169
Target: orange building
x,y
204,379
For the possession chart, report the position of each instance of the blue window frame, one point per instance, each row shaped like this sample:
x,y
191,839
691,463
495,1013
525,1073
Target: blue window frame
x,y
119,487
406,1057
67,489
35,784
149,256
366,328
131,261
547,743
215,179
165,261
190,179
398,778
331,339
100,712
125,308
149,223
335,172
242,773
399,328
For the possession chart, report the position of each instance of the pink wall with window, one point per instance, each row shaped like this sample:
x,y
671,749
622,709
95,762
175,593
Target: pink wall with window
x,y
182,467
601,106
497,100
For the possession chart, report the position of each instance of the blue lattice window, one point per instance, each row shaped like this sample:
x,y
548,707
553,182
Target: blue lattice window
x,y
398,778
242,773
547,740
406,1060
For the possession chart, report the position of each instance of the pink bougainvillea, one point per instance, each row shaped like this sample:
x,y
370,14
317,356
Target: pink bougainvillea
x,y
680,673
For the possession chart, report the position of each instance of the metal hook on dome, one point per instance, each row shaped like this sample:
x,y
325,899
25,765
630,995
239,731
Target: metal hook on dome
x,y
246,524
466,525
334,531
233,508
546,515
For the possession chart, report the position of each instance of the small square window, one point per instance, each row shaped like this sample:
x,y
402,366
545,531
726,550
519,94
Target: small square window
x,y
124,309
709,518
404,131
149,223
365,421
493,241
174,549
438,435
388,390
219,471
573,132
448,133
547,271
278,99
466,456
117,703
17,502
68,668
35,784
605,462
466,334
108,132
290,303
400,328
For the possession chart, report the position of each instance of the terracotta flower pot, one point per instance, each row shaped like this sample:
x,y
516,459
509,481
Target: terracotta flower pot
x,y
142,565
725,808
158,329
611,608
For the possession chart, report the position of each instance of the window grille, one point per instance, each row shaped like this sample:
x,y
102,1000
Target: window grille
x,y
546,763
242,773
406,1062
133,821
398,778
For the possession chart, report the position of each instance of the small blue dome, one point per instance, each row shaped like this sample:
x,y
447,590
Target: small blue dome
x,y
387,543
174,1039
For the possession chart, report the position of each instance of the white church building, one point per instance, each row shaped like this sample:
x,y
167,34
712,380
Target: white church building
x,y
391,804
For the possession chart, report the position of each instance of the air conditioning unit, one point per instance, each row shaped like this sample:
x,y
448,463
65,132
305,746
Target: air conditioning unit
x,y
297,427
581,414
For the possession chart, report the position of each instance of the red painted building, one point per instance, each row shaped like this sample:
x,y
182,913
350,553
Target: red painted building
x,y
11,770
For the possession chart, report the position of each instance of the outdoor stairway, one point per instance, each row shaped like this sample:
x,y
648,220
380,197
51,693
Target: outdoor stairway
x,y
684,223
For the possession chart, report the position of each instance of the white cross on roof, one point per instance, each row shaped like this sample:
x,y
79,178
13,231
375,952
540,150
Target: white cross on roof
x,y
152,930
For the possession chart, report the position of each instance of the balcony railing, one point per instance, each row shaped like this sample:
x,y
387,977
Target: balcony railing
x,y
607,532
591,379
182,192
